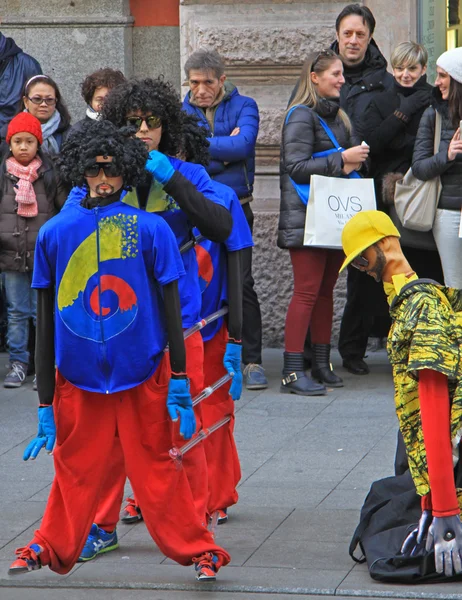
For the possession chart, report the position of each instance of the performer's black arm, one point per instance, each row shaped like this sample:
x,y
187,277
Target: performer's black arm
x,y
45,346
235,296
213,221
174,328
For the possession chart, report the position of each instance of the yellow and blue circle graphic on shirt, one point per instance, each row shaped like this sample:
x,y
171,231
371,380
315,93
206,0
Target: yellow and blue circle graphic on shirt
x,y
205,264
92,304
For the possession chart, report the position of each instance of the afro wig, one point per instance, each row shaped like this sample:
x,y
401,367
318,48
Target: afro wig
x,y
148,96
195,145
102,138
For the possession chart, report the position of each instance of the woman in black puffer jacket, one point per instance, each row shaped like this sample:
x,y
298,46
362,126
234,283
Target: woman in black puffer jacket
x,y
447,163
315,269
390,127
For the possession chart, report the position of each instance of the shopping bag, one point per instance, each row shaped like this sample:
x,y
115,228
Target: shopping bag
x,y
332,202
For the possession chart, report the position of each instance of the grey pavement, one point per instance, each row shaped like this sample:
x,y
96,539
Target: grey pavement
x,y
307,466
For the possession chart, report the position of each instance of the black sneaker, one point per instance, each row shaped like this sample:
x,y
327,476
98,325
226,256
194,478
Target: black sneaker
x,y
16,376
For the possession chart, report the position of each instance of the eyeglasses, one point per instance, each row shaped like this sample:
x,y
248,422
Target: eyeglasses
x,y
40,100
359,262
152,122
110,170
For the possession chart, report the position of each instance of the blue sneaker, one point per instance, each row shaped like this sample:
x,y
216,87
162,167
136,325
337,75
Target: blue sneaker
x,y
254,377
98,542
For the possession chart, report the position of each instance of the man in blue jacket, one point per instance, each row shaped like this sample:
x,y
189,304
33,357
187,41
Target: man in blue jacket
x,y
16,67
232,121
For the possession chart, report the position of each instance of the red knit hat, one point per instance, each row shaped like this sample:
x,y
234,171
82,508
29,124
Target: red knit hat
x,y
24,122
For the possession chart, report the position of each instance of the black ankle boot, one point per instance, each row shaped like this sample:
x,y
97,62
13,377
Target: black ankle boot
x,y
322,369
295,381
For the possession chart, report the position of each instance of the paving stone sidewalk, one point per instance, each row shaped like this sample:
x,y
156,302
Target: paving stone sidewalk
x,y
307,466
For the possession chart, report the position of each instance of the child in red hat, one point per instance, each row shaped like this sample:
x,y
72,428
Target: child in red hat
x,y
30,194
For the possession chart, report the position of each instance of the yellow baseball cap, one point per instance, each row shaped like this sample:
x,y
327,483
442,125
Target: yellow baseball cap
x,y
363,230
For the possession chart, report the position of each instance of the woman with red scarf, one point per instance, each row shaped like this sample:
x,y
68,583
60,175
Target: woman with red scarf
x,y
30,194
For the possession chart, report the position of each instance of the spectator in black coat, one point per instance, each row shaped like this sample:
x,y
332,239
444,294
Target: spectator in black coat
x,y
315,269
390,126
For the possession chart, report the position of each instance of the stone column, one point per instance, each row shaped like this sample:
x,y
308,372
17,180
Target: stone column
x,y
264,45
71,39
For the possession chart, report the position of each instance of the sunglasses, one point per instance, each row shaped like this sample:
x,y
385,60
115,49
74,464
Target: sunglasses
x,y
110,170
323,54
39,100
360,262
152,122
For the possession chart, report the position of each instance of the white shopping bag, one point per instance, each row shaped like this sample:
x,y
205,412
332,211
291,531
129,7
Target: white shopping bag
x,y
332,202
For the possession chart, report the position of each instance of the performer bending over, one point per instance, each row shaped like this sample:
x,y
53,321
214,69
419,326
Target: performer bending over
x,y
424,349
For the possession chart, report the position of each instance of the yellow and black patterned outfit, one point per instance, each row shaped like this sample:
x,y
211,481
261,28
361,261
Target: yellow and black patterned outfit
x,y
426,333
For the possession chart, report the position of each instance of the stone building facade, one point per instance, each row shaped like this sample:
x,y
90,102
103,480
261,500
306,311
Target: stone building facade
x,y
264,44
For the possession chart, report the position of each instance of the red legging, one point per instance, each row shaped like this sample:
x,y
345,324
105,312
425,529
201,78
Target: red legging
x,y
312,303
222,459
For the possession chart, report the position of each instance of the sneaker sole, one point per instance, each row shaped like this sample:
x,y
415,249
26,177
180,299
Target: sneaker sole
x,y
103,551
130,520
283,390
12,385
19,571
206,578
256,386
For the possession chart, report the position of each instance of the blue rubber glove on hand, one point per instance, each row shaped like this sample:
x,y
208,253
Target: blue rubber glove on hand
x,y
159,166
179,404
232,363
46,435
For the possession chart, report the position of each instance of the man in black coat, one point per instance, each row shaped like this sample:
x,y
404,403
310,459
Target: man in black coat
x,y
366,76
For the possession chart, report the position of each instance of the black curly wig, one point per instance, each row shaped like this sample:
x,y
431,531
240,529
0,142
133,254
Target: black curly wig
x,y
154,96
102,138
195,145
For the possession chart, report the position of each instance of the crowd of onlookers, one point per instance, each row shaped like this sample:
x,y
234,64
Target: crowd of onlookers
x,y
382,124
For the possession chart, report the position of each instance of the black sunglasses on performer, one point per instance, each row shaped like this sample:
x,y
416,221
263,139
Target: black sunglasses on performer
x,y
152,122
110,170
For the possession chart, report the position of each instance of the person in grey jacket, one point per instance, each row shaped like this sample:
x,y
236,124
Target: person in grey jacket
x,y
446,163
315,269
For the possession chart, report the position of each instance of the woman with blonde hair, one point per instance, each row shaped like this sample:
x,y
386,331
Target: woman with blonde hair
x,y
313,122
390,127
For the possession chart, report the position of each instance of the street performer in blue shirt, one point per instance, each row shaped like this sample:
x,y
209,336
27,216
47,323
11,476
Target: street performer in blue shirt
x,y
108,303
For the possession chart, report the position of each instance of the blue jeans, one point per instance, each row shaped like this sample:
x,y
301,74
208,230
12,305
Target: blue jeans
x,y
21,306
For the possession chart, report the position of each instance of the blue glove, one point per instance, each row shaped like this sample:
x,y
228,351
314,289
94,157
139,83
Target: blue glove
x,y
46,435
232,363
159,166
179,404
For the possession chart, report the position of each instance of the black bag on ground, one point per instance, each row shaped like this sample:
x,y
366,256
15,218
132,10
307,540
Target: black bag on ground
x,y
390,512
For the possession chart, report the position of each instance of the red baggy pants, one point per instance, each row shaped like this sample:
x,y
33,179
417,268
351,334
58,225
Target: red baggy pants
x,y
220,447
194,461
87,424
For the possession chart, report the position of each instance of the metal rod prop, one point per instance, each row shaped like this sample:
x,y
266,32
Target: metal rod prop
x,y
208,391
202,323
188,245
176,454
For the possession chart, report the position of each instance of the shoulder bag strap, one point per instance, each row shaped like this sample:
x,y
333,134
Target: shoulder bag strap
x,y
438,124
328,130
